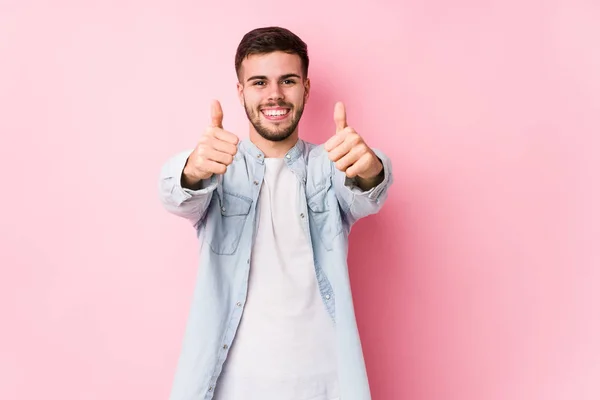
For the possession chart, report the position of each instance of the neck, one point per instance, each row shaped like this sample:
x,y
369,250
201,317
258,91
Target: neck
x,y
273,149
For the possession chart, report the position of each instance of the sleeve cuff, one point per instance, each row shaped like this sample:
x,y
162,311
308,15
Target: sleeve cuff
x,y
174,172
375,191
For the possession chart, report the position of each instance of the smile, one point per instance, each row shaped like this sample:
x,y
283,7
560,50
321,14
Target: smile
x,y
275,113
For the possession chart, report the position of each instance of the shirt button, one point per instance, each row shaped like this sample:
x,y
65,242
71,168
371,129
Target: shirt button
x,y
223,209
256,183
239,304
210,389
327,297
259,156
288,156
302,215
225,346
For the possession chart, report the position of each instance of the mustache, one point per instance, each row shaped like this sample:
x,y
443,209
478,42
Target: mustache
x,y
277,104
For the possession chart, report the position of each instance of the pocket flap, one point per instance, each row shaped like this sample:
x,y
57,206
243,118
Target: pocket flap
x,y
317,202
233,204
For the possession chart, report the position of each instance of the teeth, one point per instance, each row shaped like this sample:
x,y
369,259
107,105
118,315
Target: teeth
x,y
275,113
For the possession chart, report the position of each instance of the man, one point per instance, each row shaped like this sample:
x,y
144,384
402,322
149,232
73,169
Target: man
x,y
272,315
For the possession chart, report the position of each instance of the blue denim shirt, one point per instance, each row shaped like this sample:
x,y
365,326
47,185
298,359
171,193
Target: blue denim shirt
x,y
224,214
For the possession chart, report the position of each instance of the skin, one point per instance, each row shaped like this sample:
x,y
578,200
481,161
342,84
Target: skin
x,y
273,81
269,82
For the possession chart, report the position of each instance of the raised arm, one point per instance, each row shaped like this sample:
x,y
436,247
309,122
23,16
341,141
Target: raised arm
x,y
188,179
361,175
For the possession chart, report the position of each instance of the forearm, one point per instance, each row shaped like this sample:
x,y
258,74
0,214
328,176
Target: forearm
x,y
360,199
181,196
366,184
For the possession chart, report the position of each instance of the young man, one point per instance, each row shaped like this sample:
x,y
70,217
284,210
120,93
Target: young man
x,y
272,316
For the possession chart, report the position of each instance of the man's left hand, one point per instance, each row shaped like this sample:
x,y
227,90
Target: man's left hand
x,y
350,153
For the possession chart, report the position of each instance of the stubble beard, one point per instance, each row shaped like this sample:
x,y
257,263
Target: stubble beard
x,y
278,135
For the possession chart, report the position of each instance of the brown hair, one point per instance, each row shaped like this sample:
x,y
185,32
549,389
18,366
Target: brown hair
x,y
270,39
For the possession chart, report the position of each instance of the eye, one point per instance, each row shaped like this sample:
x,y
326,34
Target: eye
x,y
258,83
289,81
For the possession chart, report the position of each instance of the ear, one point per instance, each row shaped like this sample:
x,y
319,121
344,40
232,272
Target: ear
x,y
240,90
306,89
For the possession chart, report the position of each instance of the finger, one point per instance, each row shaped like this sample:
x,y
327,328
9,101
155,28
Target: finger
x,y
348,160
339,116
216,114
213,167
226,136
333,142
359,166
337,139
217,156
340,151
223,146
351,140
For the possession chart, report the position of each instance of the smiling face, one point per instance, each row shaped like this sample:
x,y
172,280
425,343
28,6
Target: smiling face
x,y
273,91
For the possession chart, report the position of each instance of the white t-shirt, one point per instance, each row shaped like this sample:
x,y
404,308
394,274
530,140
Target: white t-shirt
x,y
284,348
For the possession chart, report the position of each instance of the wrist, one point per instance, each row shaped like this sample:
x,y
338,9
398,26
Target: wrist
x,y
370,181
190,180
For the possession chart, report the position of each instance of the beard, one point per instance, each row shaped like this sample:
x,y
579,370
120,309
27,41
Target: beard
x,y
280,131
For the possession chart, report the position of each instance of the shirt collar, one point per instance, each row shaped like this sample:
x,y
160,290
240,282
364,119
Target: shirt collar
x,y
290,157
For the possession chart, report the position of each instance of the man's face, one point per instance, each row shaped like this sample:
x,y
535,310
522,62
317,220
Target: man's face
x,y
273,91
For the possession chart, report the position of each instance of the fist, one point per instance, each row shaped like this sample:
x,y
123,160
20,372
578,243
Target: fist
x,y
348,150
214,152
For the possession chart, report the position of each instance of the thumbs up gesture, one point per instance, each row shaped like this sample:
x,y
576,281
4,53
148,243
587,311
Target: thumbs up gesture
x,y
350,153
214,152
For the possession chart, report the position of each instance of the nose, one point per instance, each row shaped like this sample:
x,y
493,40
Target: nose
x,y
276,93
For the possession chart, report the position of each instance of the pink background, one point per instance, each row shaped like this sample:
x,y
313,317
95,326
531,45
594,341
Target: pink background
x,y
479,280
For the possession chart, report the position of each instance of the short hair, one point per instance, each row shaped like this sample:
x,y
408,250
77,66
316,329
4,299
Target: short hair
x,y
269,39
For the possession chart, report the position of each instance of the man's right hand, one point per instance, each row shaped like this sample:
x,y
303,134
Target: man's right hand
x,y
214,151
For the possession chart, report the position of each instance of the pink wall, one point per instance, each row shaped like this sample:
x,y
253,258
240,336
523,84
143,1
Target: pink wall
x,y
479,280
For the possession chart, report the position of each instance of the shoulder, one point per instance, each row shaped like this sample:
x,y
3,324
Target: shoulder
x,y
318,165
315,153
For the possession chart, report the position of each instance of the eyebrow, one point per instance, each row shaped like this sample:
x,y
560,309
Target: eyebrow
x,y
263,77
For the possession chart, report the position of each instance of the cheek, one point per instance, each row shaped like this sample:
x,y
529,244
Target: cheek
x,y
250,99
254,98
297,97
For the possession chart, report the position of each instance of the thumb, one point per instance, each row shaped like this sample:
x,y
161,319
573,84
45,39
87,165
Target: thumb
x,y
339,116
216,114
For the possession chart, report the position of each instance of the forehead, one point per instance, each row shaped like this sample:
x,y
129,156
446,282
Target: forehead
x,y
271,65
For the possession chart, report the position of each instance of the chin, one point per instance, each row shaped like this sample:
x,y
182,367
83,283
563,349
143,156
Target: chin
x,y
274,137
277,135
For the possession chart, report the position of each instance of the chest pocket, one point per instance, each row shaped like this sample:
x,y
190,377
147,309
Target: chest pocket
x,y
324,214
230,222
